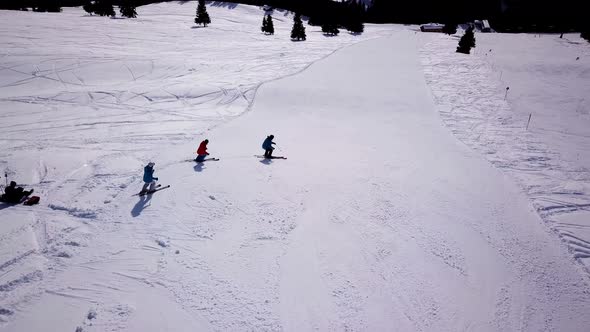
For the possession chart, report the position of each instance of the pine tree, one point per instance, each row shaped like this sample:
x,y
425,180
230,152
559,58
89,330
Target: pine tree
x,y
15,5
381,11
202,16
264,26
53,6
89,7
356,27
330,29
586,35
104,8
467,41
450,28
298,31
353,20
127,9
270,27
267,25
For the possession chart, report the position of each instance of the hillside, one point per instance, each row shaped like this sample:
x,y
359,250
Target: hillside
x,y
380,219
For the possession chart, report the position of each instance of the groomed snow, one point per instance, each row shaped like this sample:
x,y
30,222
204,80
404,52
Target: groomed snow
x,y
381,219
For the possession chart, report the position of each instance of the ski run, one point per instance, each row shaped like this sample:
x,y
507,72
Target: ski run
x,y
414,198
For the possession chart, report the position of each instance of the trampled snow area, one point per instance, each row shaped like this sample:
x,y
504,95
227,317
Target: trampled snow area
x,y
380,218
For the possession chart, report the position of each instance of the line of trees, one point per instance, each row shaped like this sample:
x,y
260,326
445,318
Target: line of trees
x,y
52,6
504,15
127,8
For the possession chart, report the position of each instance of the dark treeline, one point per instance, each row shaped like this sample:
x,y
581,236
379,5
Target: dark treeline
x,y
504,15
543,15
42,4
319,12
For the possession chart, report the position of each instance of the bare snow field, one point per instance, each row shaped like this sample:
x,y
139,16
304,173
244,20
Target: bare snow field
x,y
381,219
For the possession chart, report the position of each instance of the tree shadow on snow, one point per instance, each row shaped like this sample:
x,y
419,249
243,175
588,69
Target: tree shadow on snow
x,y
229,5
142,204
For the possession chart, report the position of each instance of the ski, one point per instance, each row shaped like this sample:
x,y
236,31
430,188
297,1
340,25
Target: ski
x,y
149,192
158,188
208,159
273,157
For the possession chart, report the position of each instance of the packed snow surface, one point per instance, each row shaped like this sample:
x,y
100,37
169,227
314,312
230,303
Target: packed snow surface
x,y
380,219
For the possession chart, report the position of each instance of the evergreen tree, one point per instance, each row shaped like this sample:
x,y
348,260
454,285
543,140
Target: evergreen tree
x,y
270,24
104,8
52,6
450,28
354,17
382,10
202,16
467,41
267,25
586,35
298,31
264,26
14,5
356,27
89,7
330,29
127,9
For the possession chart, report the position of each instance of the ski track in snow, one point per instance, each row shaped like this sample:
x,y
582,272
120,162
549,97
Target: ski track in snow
x,y
549,160
383,243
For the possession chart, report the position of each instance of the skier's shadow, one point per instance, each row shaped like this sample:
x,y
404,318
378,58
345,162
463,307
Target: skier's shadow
x,y
199,167
142,204
266,161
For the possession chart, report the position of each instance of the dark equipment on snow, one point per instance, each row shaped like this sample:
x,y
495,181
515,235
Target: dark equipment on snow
x,y
14,194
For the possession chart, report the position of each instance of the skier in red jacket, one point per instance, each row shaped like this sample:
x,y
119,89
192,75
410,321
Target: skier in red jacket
x,y
202,151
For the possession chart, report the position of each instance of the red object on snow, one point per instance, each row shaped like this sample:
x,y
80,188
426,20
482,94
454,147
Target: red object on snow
x,y
32,200
202,148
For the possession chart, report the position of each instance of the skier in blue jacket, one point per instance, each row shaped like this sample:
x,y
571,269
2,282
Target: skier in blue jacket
x,y
267,146
148,177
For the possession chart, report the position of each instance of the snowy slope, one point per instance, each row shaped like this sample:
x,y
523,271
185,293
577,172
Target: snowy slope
x,y
548,80
379,220
86,101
